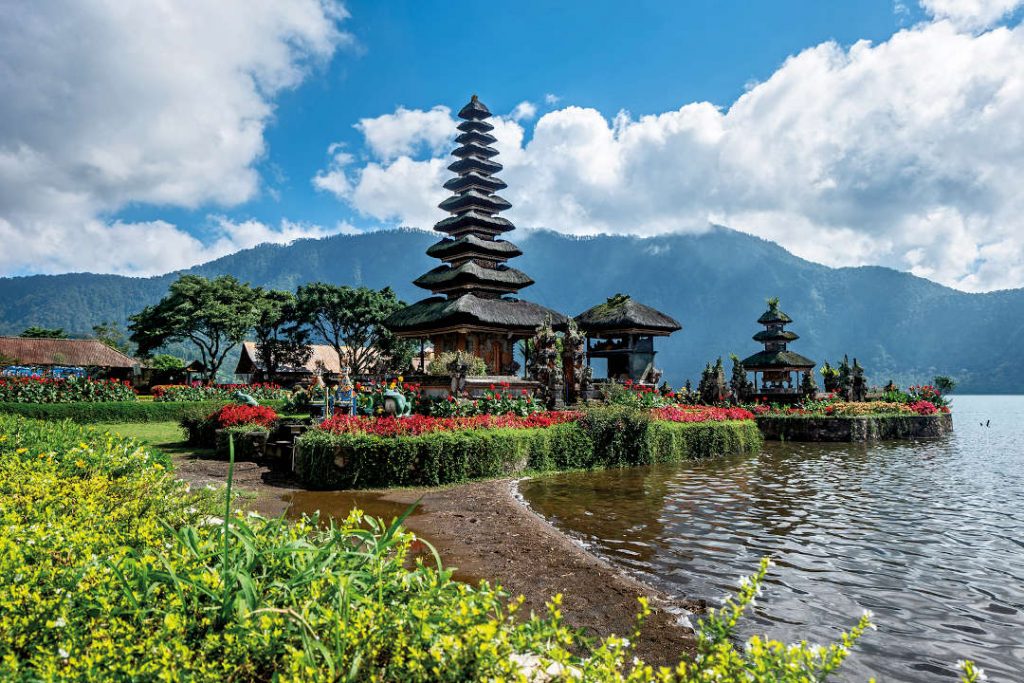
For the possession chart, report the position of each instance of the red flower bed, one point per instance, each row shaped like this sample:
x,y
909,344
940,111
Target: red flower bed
x,y
233,415
37,389
700,414
415,425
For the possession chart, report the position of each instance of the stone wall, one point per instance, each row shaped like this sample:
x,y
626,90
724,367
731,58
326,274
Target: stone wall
x,y
864,428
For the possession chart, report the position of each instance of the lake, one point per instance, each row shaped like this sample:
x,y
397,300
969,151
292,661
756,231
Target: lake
x,y
928,535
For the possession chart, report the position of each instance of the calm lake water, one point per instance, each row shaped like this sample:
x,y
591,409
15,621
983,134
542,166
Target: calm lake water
x,y
928,535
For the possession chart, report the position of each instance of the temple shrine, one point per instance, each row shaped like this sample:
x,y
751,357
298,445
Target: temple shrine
x,y
474,308
622,331
779,368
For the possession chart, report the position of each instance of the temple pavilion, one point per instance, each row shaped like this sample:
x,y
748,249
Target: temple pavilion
x,y
474,308
779,368
622,331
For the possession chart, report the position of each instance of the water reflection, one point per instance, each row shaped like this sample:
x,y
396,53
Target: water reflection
x,y
927,534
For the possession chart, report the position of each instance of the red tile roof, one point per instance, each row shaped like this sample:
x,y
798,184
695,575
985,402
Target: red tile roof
x,y
72,352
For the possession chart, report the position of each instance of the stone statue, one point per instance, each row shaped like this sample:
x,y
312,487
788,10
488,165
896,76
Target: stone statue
x,y
845,383
808,387
244,399
858,384
544,366
574,355
740,385
458,368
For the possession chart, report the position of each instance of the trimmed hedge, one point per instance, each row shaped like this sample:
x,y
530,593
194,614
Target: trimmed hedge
x,y
119,411
606,437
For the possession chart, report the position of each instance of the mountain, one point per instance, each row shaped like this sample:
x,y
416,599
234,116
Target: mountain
x,y
899,326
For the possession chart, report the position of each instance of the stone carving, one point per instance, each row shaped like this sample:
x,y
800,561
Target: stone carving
x,y
712,387
858,384
458,369
574,354
545,367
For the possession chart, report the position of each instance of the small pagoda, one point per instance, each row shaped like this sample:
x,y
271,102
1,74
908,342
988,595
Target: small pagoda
x,y
780,369
622,331
474,309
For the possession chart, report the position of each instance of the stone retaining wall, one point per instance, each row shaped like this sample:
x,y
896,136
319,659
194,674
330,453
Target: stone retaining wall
x,y
863,428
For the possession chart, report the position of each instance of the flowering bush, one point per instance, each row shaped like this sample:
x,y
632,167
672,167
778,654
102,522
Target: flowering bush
x,y
370,395
927,392
700,414
197,391
69,390
236,415
924,408
416,425
498,399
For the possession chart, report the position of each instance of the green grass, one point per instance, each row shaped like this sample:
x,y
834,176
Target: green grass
x,y
165,436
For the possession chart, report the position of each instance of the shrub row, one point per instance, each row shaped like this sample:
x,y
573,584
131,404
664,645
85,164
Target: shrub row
x,y
63,390
118,411
602,437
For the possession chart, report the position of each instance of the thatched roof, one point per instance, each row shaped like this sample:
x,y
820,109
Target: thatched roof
x,y
323,356
444,278
474,199
773,314
461,183
776,360
474,110
474,221
471,244
438,313
70,352
621,313
469,164
779,336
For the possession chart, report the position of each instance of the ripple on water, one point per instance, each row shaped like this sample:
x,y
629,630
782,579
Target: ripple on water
x,y
927,535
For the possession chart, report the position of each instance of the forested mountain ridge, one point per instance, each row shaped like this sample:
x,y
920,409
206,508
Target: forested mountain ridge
x,y
900,326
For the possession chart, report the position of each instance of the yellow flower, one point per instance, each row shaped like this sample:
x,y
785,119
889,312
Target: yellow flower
x,y
21,450
80,463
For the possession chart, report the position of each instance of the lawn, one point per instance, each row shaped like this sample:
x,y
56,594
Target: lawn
x,y
165,436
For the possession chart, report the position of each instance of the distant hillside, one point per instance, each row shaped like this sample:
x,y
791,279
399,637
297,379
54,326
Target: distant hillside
x,y
899,326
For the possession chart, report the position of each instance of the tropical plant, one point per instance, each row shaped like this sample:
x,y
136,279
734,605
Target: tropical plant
x,y
351,321
64,390
281,339
215,315
438,367
165,361
944,383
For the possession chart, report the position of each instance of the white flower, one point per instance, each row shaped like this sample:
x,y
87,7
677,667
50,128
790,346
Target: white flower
x,y
64,654
60,623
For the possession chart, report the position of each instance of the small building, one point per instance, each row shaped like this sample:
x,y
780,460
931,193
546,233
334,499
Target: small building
x,y
622,331
474,307
777,371
56,356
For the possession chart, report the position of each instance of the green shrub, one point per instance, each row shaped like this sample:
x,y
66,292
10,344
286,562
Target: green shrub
x,y
439,365
603,437
123,411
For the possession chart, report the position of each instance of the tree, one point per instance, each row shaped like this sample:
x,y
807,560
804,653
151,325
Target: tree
x,y
36,332
215,315
351,320
114,336
281,340
165,361
945,384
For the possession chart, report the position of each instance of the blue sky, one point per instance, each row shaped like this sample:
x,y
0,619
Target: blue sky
x,y
143,137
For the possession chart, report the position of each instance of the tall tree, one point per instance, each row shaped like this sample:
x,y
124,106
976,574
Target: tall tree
x,y
281,339
36,332
215,315
351,320
114,336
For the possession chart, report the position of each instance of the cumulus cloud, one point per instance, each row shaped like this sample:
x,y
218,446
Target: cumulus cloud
x,y
908,153
112,103
406,131
524,110
971,14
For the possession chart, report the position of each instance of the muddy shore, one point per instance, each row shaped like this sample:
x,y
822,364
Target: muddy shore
x,y
486,532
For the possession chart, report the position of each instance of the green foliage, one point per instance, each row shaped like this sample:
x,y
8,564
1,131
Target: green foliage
x,y
68,390
351,320
127,411
214,315
281,339
603,437
165,361
113,335
944,383
438,367
36,332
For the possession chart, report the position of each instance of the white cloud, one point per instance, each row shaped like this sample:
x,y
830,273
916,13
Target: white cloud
x,y
551,99
111,103
971,14
406,131
525,110
909,153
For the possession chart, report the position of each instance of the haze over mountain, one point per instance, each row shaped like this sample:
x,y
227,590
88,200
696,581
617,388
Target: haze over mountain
x,y
900,326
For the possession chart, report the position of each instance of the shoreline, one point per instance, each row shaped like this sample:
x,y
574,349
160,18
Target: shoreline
x,y
485,530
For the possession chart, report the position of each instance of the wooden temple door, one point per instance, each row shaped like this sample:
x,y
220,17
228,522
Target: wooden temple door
x,y
494,358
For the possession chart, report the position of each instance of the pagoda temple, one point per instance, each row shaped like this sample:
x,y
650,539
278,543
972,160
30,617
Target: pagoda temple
x,y
474,308
780,369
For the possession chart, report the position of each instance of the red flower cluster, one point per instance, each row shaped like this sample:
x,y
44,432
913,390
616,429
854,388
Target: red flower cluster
x,y
36,389
415,425
233,415
700,414
923,407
